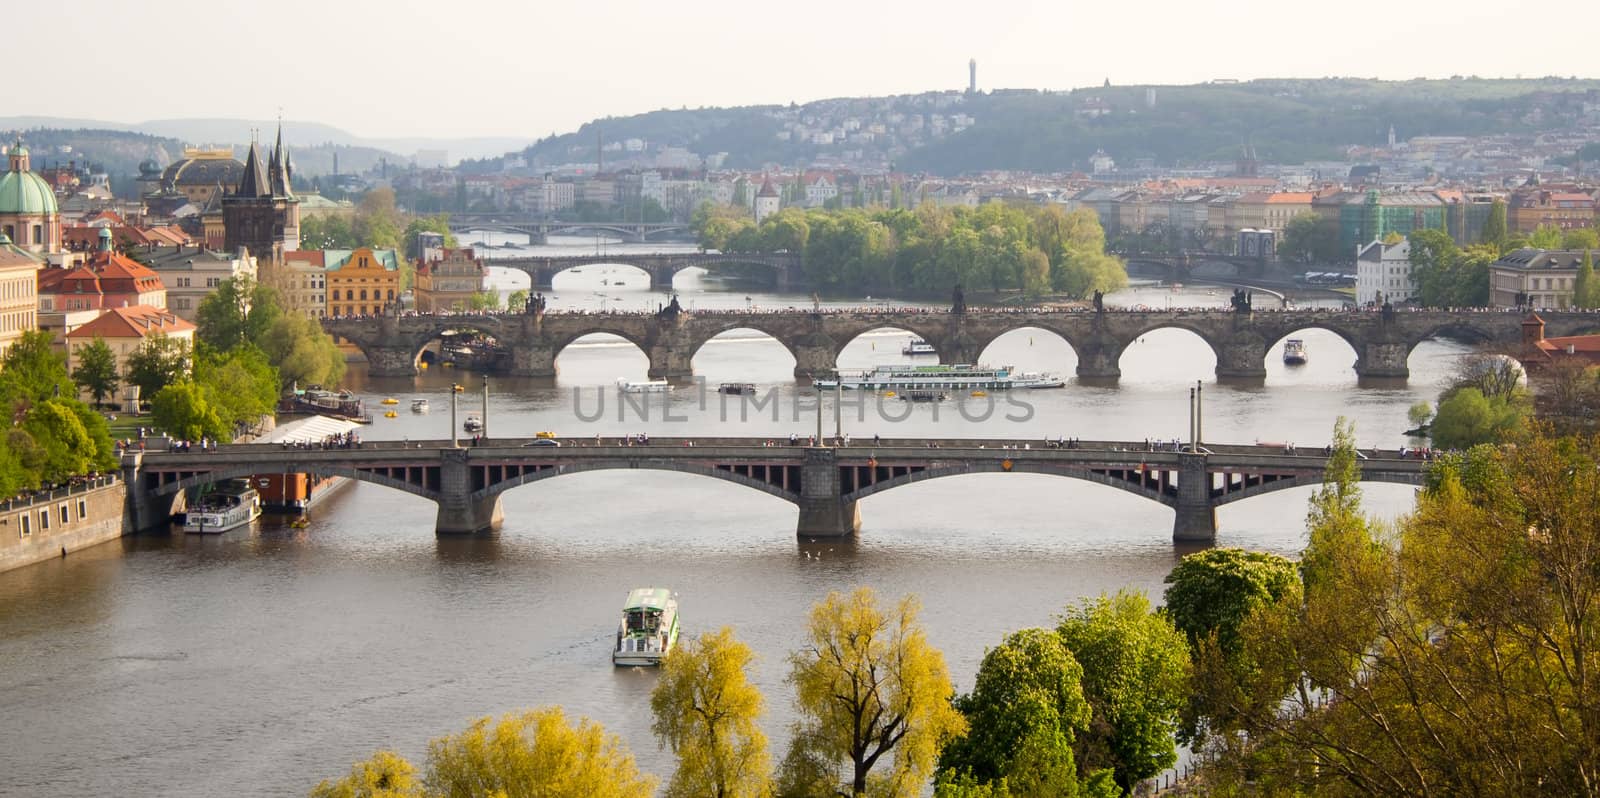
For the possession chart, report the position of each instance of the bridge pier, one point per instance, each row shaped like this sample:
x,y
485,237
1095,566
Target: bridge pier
x,y
824,514
143,509
1384,359
1195,518
1242,356
390,361
813,355
460,512
1100,359
531,359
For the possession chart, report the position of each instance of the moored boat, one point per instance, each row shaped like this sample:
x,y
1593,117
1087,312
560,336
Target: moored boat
x,y
1294,352
649,627
923,395
472,424
737,388
919,347
648,386
943,377
226,506
419,405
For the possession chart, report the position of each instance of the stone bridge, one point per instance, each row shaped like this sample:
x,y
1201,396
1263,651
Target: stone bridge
x,y
538,229
826,483
1382,340
785,270
1185,265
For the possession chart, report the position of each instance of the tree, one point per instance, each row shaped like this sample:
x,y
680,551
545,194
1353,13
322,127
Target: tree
x,y
182,410
1494,227
439,223
1308,238
1419,415
1135,672
868,684
97,369
1035,273
302,352
1023,715
1545,236
241,310
1468,418
32,371
517,300
240,385
67,447
377,221
1584,238
484,300
159,361
1585,291
534,754
706,711
385,775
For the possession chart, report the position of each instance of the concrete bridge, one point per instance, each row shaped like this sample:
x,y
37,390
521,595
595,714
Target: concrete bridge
x,y
785,270
1186,265
1382,340
539,229
826,483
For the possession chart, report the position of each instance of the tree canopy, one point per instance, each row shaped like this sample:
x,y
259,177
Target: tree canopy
x,y
706,711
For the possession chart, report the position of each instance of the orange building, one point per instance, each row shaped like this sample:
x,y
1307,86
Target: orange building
x,y
361,282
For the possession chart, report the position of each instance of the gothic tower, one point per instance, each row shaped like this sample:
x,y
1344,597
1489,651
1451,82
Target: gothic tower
x,y
262,214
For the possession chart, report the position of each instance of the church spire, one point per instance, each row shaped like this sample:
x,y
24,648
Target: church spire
x,y
280,170
255,182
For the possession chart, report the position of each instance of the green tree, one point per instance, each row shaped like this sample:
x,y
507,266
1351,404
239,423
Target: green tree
x,y
241,310
868,685
97,370
184,412
1023,715
1035,273
32,371
535,754
517,300
158,362
1494,227
378,222
67,446
1585,291
385,775
21,460
1308,238
1545,236
240,385
1468,418
1585,238
484,300
1419,415
328,231
302,352
1135,673
439,223
706,711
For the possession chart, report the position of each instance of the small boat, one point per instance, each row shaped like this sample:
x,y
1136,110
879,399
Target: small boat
x,y
649,627
923,395
618,282
229,505
737,388
919,347
575,270
391,401
390,414
472,424
419,405
1294,352
980,393
648,386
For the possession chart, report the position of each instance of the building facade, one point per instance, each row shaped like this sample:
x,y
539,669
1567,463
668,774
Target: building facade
x,y
262,214
1535,278
106,279
1565,210
1383,274
192,273
361,282
19,293
449,281
302,281
125,330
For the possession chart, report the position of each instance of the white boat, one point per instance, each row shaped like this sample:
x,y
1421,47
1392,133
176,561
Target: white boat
x,y
472,424
737,388
937,378
648,386
649,627
919,347
419,405
1294,352
229,505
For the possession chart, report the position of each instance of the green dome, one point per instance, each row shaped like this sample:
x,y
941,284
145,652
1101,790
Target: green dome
x,y
26,193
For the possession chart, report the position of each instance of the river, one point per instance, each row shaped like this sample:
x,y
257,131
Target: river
x,y
260,661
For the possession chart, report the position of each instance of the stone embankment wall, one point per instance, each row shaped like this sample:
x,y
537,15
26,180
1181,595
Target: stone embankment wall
x,y
55,523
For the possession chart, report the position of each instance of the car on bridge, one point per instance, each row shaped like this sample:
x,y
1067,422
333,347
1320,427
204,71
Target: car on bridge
x,y
542,442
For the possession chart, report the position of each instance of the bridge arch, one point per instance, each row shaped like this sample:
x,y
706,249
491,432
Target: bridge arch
x,y
1049,343
870,344
771,341
1275,345
267,466
1149,489
1142,355
645,464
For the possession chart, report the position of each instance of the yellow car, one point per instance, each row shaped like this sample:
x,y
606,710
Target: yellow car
x,y
545,434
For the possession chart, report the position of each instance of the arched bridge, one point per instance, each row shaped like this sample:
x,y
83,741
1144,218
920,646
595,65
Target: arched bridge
x,y
784,270
1382,340
825,482
538,229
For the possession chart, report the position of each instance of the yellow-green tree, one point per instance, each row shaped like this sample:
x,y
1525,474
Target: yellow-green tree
x,y
706,711
385,775
534,754
868,686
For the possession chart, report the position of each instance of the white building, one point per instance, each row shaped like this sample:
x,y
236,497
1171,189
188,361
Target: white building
x,y
767,200
1383,274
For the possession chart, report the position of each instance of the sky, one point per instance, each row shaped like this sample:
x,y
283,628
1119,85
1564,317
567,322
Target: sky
x,y
529,68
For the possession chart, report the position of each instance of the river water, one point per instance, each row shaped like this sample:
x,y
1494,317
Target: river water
x,y
259,661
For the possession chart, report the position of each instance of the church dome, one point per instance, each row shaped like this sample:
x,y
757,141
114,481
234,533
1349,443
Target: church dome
x,y
24,192
203,168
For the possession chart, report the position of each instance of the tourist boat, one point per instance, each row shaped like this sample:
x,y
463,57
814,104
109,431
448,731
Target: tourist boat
x,y
229,505
1294,352
737,388
419,405
649,627
648,386
923,395
390,400
919,347
342,404
943,377
472,424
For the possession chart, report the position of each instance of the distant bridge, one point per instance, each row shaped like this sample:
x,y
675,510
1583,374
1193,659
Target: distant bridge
x,y
824,482
1382,340
783,271
1193,265
539,229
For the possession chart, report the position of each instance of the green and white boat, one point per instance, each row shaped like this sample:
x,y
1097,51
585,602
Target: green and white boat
x,y
649,627
934,378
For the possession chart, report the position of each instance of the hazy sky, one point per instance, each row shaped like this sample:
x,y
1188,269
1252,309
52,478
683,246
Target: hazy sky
x,y
531,67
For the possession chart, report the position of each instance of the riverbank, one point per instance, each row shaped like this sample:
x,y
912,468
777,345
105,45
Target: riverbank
x,y
55,523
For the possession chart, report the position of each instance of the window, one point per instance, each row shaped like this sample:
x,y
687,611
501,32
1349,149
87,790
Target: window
x,y
38,234
63,511
363,294
83,509
27,525
44,520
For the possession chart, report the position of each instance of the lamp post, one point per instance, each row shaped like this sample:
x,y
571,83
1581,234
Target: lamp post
x,y
484,431
455,393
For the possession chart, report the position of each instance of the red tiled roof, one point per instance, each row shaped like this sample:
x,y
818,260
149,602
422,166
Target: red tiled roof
x,y
136,321
310,257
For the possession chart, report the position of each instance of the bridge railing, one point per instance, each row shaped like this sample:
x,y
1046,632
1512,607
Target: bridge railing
x,y
73,488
